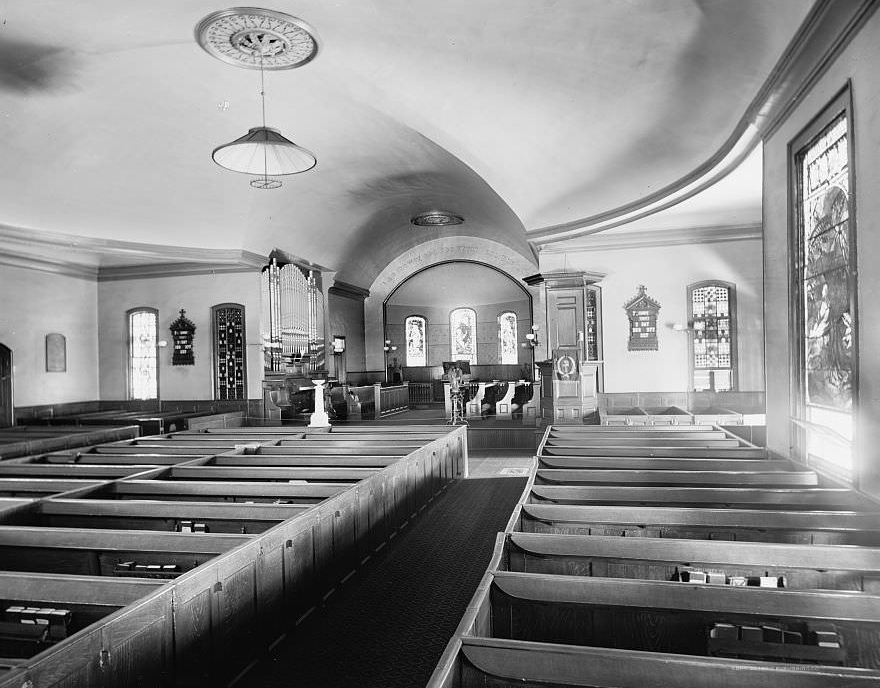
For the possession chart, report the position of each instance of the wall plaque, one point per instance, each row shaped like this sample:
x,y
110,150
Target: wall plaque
x,y
642,313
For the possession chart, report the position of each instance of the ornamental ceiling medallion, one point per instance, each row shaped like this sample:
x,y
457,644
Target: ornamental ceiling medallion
x,y
250,37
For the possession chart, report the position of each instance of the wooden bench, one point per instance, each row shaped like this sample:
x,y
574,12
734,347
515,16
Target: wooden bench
x,y
260,458
251,492
683,464
97,553
660,616
325,473
826,567
158,515
678,452
36,487
750,525
822,498
645,477
479,662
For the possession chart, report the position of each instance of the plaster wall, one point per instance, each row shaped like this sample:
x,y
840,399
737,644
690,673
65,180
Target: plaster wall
x,y
666,271
858,63
36,303
196,294
347,320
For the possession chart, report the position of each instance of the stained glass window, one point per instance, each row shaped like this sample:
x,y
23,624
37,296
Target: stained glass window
x,y
416,342
827,287
507,338
591,321
712,315
463,332
229,352
143,361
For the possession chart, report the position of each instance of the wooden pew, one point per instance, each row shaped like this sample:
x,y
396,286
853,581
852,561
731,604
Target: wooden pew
x,y
714,441
750,525
296,461
684,464
603,612
99,552
156,515
695,477
35,487
324,474
480,662
87,598
94,458
678,452
834,499
826,567
72,471
217,491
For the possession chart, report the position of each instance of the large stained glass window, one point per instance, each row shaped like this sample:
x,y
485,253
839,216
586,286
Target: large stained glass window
x,y
591,322
229,352
463,332
712,317
416,341
507,338
143,359
826,299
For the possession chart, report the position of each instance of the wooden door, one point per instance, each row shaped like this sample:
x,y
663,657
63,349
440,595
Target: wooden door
x,y
6,411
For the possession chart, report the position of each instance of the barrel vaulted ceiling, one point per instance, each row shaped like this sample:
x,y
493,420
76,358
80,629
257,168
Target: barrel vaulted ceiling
x,y
538,121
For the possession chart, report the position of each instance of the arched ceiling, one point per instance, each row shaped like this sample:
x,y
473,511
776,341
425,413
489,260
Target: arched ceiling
x,y
517,114
457,284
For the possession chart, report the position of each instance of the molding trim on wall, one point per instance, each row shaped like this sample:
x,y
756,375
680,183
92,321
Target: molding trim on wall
x,y
56,267
661,237
169,260
824,33
348,291
132,272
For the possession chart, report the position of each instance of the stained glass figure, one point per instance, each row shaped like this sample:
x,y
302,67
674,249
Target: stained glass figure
x,y
711,316
827,285
507,338
416,348
463,331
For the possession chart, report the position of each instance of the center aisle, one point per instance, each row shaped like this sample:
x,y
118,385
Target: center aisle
x,y
388,625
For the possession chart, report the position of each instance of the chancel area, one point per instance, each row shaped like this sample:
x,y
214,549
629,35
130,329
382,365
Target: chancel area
x,y
440,344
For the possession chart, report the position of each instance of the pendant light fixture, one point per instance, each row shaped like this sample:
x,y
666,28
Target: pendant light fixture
x,y
254,38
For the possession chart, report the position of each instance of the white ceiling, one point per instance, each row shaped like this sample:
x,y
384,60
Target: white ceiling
x,y
517,114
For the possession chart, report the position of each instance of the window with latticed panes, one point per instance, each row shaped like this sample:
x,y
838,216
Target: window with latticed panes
x,y
713,359
143,358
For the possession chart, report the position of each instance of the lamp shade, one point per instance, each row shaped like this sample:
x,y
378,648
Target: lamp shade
x,y
264,151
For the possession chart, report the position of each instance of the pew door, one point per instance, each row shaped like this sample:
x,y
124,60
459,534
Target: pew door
x,y
6,411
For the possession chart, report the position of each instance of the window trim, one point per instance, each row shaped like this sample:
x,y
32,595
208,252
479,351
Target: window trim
x,y
841,103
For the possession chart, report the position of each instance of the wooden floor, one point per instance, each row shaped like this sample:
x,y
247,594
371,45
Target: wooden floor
x,y
668,556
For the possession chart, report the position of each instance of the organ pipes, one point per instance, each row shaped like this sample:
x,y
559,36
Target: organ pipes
x,y
292,316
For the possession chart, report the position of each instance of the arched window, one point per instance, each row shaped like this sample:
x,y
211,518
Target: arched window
x,y
230,381
463,333
416,341
143,354
713,351
507,344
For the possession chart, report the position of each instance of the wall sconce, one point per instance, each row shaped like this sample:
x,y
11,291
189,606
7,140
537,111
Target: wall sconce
x,y
389,346
680,327
532,337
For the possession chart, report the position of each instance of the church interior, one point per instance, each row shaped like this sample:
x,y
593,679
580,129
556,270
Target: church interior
x,y
305,381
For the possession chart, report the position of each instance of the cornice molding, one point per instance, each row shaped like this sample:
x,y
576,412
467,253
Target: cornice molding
x,y
55,267
568,280
827,29
348,291
661,237
158,270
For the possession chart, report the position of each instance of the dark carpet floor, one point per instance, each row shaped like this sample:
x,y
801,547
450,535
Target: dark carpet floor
x,y
388,625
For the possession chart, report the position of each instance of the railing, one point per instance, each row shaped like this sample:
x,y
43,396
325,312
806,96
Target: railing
x,y
393,400
421,393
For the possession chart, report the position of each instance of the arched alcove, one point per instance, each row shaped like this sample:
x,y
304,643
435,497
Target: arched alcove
x,y
460,251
